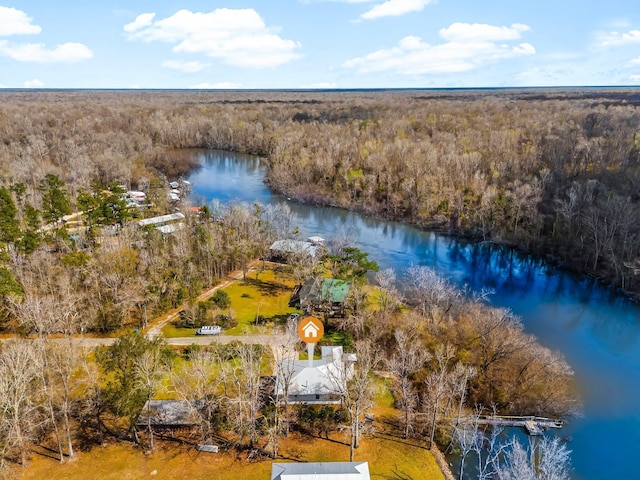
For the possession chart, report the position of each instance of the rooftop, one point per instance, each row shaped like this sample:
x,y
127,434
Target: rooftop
x,y
165,413
293,247
320,471
172,217
330,289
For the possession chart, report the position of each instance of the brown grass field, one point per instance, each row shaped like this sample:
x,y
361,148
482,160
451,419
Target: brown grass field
x,y
388,457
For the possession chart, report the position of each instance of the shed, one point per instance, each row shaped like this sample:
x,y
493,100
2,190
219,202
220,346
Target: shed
x,y
166,415
320,471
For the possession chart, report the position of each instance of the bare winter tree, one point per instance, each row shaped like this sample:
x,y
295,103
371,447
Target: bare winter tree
x,y
460,381
545,459
198,383
286,356
408,357
465,436
434,294
19,389
389,294
488,449
280,218
354,384
438,384
149,369
62,364
246,400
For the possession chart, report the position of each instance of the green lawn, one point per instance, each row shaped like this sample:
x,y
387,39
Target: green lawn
x,y
265,293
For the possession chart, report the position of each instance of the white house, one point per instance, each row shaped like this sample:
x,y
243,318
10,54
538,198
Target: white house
x,y
318,381
165,223
320,471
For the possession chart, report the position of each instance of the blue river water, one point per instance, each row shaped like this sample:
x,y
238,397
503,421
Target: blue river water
x,y
596,329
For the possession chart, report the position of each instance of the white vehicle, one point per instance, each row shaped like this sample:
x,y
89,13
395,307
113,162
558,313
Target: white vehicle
x,y
209,330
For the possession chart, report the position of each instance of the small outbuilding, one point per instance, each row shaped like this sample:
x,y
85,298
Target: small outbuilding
x,y
321,471
166,415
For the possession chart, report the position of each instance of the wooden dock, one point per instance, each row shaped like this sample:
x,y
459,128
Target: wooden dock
x,y
533,425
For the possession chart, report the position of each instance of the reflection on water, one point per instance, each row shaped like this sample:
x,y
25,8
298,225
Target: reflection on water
x,y
597,330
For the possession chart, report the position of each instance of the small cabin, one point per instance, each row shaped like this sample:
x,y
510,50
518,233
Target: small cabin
x,y
166,416
326,295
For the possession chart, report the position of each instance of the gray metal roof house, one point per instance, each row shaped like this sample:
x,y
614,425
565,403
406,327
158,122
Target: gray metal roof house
x,y
321,471
288,248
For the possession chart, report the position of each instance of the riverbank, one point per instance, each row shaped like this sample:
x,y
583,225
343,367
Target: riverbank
x,y
440,225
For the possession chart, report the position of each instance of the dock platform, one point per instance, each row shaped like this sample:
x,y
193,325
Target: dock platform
x,y
533,425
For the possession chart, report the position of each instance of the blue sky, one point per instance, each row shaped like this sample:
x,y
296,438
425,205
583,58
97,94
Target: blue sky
x,y
318,43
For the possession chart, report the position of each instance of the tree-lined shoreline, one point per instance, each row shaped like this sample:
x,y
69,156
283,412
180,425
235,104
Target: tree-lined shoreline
x,y
553,172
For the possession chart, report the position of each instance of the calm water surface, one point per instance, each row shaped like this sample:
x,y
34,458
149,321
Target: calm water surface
x,y
597,331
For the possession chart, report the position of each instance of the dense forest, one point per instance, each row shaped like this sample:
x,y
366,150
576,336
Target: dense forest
x,y
553,172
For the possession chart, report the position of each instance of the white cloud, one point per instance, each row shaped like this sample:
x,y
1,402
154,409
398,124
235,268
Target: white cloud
x,y
635,78
141,21
38,52
16,22
187,67
35,83
395,8
237,37
634,63
481,32
616,39
468,47
216,86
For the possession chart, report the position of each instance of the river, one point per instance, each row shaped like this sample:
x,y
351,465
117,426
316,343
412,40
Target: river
x,y
597,330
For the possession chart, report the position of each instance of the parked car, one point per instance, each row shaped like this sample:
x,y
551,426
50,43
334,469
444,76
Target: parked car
x,y
293,317
209,330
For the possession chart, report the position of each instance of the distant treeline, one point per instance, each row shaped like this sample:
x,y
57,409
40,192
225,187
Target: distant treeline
x,y
554,172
